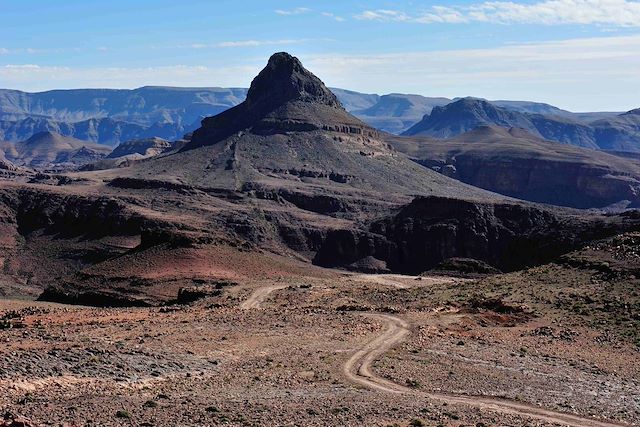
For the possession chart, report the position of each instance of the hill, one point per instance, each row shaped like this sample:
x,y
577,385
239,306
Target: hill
x,y
46,149
516,163
619,133
140,148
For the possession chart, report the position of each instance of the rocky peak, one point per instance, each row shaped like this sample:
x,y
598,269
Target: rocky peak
x,y
284,97
284,79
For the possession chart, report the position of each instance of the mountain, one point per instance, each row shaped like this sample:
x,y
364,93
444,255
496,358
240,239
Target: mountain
x,y
140,148
286,178
618,133
532,107
45,149
353,101
292,134
549,110
111,116
395,113
144,106
104,131
516,163
466,114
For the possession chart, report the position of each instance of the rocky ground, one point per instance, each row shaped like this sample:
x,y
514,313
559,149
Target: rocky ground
x,y
344,350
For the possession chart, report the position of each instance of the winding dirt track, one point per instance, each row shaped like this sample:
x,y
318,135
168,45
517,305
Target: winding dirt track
x,y
358,370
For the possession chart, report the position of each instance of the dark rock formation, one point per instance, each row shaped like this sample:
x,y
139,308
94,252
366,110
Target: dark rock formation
x,y
284,97
430,230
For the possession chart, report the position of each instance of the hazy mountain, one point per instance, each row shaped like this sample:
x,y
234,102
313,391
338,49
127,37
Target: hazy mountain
x,y
111,116
615,133
395,113
45,149
549,110
353,101
144,106
515,163
619,133
532,107
104,131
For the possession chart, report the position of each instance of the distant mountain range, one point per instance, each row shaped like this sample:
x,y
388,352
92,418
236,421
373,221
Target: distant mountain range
x,y
620,132
112,116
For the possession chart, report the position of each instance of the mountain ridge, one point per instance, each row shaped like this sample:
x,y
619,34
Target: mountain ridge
x,y
614,133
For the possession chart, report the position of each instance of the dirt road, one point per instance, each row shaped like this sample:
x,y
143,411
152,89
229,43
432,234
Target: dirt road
x,y
358,370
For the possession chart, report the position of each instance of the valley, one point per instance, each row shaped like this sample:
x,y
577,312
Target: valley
x,y
287,263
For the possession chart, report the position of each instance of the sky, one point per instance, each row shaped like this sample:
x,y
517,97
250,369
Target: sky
x,y
582,55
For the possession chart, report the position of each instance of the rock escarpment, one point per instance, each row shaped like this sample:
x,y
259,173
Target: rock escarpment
x,y
508,236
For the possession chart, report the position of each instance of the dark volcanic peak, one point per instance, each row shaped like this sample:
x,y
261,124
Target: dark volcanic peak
x,y
284,79
284,97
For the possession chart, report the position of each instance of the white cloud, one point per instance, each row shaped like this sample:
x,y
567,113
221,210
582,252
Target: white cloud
x,y
578,74
33,77
296,11
3,51
256,43
625,13
246,43
333,16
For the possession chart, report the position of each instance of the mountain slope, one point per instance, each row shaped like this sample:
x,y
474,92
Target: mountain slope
x,y
47,148
469,113
292,133
6,164
619,133
518,164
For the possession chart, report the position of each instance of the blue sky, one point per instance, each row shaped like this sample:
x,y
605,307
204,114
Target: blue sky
x,y
577,54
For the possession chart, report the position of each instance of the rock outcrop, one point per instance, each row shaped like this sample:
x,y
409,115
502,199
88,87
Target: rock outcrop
x,y
507,236
140,148
284,97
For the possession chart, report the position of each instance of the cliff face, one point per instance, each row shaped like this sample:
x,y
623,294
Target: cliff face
x,y
431,229
518,164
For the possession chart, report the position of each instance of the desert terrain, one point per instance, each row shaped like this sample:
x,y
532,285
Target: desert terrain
x,y
285,265
342,348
